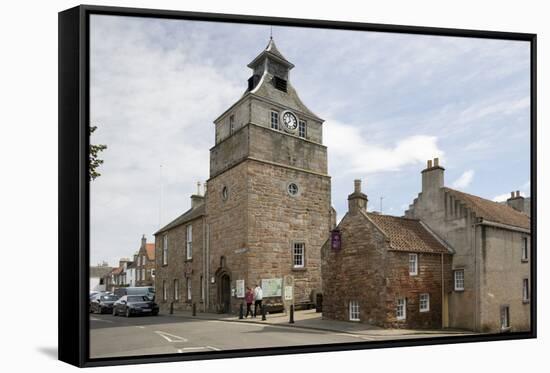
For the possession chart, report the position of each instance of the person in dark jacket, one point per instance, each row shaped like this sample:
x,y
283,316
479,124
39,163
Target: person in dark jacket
x,y
249,299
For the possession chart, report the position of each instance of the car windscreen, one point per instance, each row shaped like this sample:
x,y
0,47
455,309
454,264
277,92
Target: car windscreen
x,y
136,298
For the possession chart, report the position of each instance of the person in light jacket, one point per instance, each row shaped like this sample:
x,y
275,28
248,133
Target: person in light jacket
x,y
258,296
249,299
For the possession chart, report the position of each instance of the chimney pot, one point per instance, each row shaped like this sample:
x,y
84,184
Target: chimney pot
x,y
517,193
436,162
357,185
430,163
513,194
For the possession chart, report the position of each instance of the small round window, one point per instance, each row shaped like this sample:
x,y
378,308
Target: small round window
x,y
293,189
225,193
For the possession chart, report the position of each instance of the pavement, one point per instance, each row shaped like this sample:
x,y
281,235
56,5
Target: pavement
x,y
311,319
112,336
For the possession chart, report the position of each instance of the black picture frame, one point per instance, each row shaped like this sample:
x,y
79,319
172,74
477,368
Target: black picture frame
x,y
74,204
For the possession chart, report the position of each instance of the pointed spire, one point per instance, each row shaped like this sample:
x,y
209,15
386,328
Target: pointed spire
x,y
271,52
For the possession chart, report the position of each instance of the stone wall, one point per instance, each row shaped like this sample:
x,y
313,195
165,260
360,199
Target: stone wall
x,y
179,267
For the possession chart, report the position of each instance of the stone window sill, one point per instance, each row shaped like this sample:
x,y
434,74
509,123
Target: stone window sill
x,y
459,290
525,301
299,269
525,260
505,329
188,260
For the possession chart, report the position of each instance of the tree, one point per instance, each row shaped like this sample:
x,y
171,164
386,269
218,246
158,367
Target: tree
x,y
95,161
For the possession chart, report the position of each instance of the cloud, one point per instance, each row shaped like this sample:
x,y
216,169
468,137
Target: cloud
x,y
350,148
464,180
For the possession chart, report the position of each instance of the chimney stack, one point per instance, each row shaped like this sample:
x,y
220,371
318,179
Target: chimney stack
x,y
357,201
432,177
517,201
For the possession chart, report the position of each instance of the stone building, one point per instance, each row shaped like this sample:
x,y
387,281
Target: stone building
x,y
388,271
492,243
266,209
180,259
145,264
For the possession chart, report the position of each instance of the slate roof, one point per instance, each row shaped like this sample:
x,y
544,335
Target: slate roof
x,y
184,218
100,271
150,249
491,210
407,234
272,50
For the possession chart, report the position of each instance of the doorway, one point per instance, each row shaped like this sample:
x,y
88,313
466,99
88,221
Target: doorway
x,y
225,293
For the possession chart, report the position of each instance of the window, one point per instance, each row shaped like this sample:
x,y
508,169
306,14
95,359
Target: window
x,y
188,288
413,264
302,128
165,250
152,272
354,311
176,290
275,120
525,290
459,279
138,260
189,241
225,193
231,124
504,317
164,290
143,274
298,255
293,189
279,83
424,302
525,249
202,289
401,309
143,260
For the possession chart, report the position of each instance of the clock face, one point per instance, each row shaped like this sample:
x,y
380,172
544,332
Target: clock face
x,y
290,121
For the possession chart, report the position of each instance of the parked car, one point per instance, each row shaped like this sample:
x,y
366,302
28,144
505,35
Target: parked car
x,y
102,303
129,305
148,291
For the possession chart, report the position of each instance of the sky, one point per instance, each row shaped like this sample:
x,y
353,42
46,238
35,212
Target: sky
x,y
390,102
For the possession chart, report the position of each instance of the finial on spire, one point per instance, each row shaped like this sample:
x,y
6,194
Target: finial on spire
x,y
271,33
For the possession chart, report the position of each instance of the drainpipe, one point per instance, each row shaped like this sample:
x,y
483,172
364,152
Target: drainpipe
x,y
442,293
476,277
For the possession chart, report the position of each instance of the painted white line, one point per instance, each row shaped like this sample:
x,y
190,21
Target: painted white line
x,y
100,320
213,348
141,327
170,337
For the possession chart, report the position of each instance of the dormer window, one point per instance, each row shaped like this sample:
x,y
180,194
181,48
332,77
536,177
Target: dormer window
x,y
279,83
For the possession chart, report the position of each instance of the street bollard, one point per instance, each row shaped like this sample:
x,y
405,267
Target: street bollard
x,y
172,308
241,312
194,309
291,321
263,313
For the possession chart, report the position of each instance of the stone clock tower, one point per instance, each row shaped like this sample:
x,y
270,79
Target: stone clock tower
x,y
268,196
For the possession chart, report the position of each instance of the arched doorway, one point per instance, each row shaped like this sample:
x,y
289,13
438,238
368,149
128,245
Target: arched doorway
x,y
225,293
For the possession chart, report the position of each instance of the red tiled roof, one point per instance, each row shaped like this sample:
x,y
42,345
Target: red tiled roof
x,y
117,271
407,234
150,249
493,211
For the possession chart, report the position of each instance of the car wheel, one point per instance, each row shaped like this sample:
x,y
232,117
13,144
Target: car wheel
x,y
127,312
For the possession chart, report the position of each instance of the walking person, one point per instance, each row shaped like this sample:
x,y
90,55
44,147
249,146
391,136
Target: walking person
x,y
249,299
258,296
